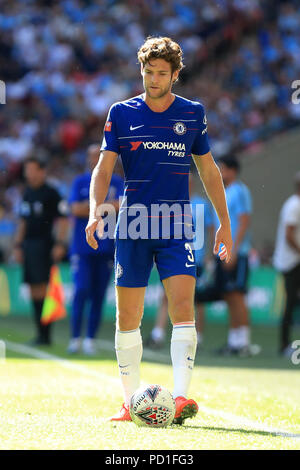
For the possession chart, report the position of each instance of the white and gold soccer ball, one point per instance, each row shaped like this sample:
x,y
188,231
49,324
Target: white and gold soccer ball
x,y
152,406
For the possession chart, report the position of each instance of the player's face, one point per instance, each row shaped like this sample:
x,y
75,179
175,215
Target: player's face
x,y
34,175
158,78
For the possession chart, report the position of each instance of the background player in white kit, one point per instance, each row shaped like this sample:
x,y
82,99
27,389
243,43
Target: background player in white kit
x,y
287,261
153,174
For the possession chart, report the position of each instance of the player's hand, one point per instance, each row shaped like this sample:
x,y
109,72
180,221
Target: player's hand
x,y
93,226
223,236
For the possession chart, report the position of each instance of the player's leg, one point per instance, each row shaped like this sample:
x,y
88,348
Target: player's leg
x,y
38,294
199,308
199,323
128,342
177,269
133,263
234,287
239,319
81,273
37,264
291,280
100,276
180,293
157,335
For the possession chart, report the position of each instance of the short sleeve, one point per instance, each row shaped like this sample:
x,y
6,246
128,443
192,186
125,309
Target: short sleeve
x,y
201,145
110,137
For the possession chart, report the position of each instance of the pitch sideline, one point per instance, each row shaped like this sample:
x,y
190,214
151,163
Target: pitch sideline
x,y
104,344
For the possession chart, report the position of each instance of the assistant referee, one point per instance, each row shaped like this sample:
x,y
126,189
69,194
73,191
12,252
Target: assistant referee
x,y
36,247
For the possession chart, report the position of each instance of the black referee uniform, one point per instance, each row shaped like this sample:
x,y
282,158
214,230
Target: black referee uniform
x,y
39,209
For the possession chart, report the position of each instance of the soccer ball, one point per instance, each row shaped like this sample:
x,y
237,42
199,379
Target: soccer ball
x,y
152,406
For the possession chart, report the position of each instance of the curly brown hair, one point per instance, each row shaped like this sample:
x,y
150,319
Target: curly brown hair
x,y
161,48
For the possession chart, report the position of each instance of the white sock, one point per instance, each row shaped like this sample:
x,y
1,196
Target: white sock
x,y
243,336
183,351
232,339
129,350
158,334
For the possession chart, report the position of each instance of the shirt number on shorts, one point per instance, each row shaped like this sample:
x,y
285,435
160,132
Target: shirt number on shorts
x,y
190,256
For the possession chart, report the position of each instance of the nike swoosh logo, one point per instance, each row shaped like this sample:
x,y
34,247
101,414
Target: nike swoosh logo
x,y
123,367
189,265
136,127
190,359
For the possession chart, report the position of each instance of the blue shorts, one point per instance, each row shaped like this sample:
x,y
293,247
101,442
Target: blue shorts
x,y
134,260
234,279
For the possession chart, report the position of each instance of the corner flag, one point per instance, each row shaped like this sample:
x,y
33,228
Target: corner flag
x,y
54,303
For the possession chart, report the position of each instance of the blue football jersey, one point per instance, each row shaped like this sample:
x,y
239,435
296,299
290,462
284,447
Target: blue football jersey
x,y
80,192
156,150
239,202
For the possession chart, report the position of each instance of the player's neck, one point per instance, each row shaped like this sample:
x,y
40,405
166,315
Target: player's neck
x,y
159,105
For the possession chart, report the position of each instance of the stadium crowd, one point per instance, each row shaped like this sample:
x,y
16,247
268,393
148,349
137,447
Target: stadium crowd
x,y
65,62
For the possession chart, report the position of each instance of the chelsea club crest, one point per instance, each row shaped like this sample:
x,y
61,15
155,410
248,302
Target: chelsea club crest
x,y
179,128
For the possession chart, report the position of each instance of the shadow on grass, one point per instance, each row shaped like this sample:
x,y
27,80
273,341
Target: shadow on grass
x,y
220,429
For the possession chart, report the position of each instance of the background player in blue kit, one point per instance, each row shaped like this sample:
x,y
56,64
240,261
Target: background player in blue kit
x,y
91,269
230,280
157,134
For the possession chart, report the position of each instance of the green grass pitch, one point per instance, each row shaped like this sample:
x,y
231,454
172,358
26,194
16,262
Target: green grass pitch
x,y
50,400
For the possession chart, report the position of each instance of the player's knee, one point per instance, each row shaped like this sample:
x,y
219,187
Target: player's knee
x,y
183,310
127,320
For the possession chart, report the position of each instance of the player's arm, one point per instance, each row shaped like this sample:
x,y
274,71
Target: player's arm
x,y
81,209
244,222
99,186
18,242
290,235
61,238
61,229
213,184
